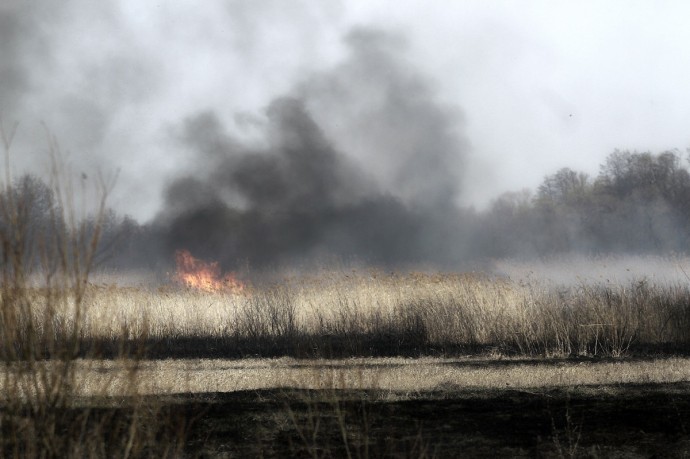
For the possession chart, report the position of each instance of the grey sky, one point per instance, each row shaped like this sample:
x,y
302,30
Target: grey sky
x,y
533,85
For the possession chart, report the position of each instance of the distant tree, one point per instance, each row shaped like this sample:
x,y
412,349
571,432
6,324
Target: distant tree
x,y
646,200
643,175
562,207
124,243
506,228
565,187
31,224
639,202
29,218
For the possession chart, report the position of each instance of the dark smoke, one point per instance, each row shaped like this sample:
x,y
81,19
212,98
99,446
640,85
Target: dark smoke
x,y
381,109
302,197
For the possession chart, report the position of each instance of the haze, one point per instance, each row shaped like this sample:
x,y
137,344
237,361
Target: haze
x,y
523,88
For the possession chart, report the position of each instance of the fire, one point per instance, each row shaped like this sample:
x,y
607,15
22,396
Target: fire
x,y
201,275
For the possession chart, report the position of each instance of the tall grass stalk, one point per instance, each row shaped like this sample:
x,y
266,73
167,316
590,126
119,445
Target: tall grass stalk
x,y
45,265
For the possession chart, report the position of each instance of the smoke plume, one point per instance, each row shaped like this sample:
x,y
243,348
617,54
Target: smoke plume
x,y
359,163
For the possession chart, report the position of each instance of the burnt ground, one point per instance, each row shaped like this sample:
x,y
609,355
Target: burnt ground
x,y
408,343
604,421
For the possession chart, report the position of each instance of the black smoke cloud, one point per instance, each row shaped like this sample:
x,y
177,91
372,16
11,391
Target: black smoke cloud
x,y
303,195
380,108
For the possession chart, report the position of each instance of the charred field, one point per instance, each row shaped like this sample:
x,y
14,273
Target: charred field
x,y
641,420
636,420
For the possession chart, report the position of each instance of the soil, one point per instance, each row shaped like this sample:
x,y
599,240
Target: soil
x,y
604,421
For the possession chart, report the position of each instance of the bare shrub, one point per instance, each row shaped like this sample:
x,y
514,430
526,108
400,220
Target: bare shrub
x,y
47,252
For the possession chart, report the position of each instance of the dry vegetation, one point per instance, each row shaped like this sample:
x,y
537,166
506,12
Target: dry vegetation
x,y
42,330
81,373
370,313
118,346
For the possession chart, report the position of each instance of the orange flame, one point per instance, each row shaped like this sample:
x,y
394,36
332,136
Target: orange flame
x,y
206,276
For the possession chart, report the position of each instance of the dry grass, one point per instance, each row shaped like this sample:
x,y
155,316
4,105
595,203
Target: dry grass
x,y
369,313
520,333
100,378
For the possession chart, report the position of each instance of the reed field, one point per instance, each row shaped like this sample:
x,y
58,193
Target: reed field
x,y
139,365
369,313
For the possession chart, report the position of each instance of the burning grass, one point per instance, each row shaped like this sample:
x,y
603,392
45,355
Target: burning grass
x,y
205,276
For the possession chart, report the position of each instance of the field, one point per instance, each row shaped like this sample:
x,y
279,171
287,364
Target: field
x,y
353,363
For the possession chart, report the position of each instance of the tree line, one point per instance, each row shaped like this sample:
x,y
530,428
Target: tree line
x,y
638,203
